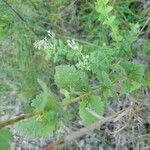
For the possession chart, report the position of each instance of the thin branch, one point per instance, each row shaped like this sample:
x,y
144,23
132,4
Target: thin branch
x,y
18,15
77,99
83,131
145,24
29,115
77,40
5,1
14,120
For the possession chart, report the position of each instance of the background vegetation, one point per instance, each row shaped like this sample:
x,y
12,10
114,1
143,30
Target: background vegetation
x,y
55,53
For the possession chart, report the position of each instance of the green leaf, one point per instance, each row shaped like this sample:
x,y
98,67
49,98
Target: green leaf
x,y
110,21
134,72
105,79
144,137
5,138
46,100
42,104
147,77
118,72
67,77
37,103
91,109
107,86
37,127
2,33
101,60
128,86
108,9
107,92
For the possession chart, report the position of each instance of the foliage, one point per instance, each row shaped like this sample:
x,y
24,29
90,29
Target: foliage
x,y
45,122
68,77
5,138
147,77
91,109
110,66
88,55
37,127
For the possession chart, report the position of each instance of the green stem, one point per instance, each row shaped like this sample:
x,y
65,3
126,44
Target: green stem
x,y
64,103
67,102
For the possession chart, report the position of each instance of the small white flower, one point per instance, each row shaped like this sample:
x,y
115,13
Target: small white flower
x,y
45,39
69,43
72,44
41,44
84,63
87,56
35,44
50,34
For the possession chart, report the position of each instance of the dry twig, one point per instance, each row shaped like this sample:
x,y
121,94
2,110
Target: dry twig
x,y
83,131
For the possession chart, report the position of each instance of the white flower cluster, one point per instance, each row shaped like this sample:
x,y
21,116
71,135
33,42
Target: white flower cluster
x,y
84,63
42,44
50,34
72,44
46,46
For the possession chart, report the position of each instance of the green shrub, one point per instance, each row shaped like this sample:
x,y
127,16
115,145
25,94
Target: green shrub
x,y
72,70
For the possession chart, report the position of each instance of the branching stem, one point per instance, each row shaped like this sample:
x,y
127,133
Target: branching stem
x,y
29,115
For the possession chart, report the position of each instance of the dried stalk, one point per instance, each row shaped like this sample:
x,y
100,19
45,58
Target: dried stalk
x,y
83,131
14,120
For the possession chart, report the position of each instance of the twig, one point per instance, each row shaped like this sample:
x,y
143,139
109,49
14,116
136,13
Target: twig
x,y
146,148
118,130
147,21
14,120
77,40
83,131
5,1
77,99
29,115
